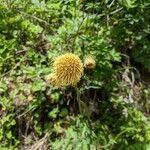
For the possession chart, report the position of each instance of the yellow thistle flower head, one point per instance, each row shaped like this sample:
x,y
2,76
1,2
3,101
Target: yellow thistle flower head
x,y
68,69
89,62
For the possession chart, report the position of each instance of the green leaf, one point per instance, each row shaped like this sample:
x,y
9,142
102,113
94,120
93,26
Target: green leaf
x,y
9,135
53,113
38,85
3,87
129,3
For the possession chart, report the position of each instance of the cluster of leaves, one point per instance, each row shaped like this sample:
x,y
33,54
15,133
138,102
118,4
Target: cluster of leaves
x,y
32,33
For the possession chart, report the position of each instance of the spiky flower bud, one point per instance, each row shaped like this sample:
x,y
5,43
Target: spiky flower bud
x,y
68,69
89,62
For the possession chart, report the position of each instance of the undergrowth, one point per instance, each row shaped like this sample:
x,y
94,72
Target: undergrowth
x,y
114,95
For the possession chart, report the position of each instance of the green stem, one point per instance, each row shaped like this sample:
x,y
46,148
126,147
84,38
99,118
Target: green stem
x,y
78,99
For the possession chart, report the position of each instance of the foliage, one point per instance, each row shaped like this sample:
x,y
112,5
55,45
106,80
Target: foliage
x,y
109,108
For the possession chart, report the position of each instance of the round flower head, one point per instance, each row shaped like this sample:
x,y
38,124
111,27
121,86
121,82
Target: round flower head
x,y
68,69
89,62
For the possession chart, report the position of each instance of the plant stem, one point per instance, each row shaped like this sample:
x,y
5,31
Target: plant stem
x,y
78,99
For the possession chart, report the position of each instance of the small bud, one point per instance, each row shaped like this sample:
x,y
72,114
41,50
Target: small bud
x,y
89,62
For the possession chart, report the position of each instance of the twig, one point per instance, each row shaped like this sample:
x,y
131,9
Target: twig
x,y
108,20
34,17
111,4
38,144
78,98
10,71
113,12
21,51
79,27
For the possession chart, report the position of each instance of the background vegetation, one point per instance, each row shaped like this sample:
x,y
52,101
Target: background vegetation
x,y
115,96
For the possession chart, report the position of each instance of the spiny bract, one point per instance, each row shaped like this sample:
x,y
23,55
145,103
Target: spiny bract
x,y
68,69
51,78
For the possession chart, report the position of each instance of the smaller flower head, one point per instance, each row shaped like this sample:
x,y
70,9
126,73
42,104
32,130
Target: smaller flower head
x,y
89,62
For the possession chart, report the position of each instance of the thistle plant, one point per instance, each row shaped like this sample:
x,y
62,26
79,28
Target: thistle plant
x,y
67,70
